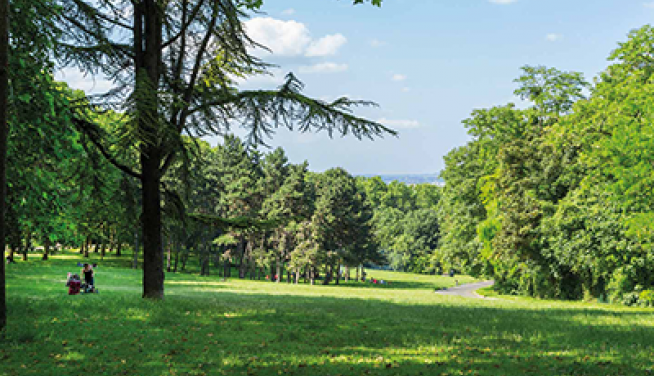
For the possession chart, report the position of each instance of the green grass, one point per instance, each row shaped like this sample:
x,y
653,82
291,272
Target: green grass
x,y
241,327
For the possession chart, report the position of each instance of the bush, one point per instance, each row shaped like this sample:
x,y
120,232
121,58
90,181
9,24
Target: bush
x,y
646,298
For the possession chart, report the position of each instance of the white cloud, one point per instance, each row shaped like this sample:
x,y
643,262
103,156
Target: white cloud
x,y
276,77
283,38
504,2
326,46
406,89
377,43
553,37
399,77
88,83
291,38
289,12
402,124
324,68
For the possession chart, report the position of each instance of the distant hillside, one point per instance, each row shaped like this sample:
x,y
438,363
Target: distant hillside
x,y
409,178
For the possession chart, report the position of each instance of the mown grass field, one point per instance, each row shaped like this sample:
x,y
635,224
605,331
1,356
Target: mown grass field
x,y
239,327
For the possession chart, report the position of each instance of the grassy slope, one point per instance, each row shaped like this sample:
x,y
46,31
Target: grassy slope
x,y
209,327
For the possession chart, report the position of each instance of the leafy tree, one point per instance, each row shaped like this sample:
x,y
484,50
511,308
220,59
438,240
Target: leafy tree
x,y
171,79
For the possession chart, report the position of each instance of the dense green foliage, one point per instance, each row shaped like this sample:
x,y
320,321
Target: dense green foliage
x,y
209,327
405,223
555,200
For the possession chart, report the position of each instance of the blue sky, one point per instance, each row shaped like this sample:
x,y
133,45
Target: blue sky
x,y
427,63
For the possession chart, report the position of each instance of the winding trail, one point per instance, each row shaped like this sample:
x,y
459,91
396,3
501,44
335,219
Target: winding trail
x,y
468,290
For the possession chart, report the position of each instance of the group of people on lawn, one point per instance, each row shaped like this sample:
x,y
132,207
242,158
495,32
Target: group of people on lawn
x,y
74,282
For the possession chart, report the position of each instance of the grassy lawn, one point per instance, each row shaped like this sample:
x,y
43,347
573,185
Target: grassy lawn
x,y
241,327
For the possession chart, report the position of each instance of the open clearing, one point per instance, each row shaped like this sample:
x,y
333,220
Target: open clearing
x,y
242,327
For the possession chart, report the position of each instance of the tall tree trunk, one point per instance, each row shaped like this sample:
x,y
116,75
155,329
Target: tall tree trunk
x,y
4,94
148,20
153,274
347,273
297,275
119,248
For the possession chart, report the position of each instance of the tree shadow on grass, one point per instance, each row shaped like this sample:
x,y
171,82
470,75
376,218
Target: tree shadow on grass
x,y
218,332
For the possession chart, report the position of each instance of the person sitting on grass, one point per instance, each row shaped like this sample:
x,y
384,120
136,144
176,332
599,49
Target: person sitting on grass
x,y
89,274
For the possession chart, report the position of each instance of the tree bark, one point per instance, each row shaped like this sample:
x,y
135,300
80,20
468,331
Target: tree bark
x,y
278,272
46,249
153,274
103,249
148,20
178,250
4,94
119,248
28,245
135,251
168,256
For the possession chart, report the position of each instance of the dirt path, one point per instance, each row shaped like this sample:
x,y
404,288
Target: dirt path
x,y
467,290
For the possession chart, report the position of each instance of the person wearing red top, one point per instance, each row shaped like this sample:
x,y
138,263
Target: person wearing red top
x,y
74,285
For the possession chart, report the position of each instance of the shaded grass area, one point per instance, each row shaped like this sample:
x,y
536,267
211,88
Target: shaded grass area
x,y
241,327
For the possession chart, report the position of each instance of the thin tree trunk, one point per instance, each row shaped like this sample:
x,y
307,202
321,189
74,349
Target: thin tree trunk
x,y
178,250
278,270
119,248
135,252
112,241
4,94
168,256
46,249
103,248
185,259
241,266
347,273
28,245
297,275
227,266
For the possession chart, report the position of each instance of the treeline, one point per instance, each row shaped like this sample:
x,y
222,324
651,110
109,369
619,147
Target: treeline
x,y
264,216
555,200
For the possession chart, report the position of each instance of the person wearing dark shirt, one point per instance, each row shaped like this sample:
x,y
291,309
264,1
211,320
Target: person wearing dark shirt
x,y
89,274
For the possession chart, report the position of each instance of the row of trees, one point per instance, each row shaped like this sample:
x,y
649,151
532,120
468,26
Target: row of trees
x,y
264,215
555,200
